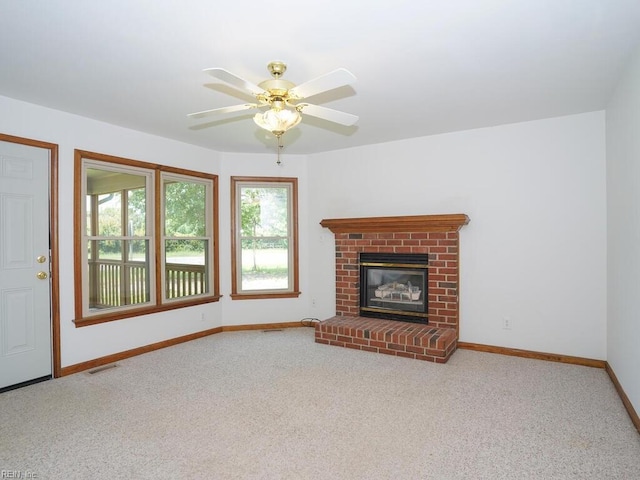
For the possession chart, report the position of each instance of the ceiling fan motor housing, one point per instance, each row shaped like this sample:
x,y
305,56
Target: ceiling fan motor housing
x,y
277,87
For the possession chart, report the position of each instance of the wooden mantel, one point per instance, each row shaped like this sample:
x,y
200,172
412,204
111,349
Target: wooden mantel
x,y
412,223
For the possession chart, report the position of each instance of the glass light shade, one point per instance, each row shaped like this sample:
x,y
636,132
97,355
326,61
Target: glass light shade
x,y
277,121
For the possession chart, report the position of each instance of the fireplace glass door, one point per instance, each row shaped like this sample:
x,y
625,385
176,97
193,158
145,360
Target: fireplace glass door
x,y
394,286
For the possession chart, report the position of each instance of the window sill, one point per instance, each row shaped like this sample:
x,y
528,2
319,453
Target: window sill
x,y
123,314
256,295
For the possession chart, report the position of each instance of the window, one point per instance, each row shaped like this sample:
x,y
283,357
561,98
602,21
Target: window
x,y
186,236
145,238
264,237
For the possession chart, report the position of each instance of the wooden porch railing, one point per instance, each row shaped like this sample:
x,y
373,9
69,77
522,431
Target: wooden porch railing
x,y
184,280
113,283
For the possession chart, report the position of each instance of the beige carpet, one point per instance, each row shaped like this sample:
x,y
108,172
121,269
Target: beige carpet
x,y
276,405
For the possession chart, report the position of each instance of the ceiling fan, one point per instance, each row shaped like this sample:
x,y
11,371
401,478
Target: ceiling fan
x,y
283,98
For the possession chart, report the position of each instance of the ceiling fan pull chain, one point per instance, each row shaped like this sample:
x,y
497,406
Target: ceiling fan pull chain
x,y
279,138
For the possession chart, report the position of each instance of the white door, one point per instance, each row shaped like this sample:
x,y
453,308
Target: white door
x,y
25,295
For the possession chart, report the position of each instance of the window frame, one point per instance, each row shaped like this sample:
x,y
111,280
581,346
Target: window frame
x,y
123,236
154,219
236,243
165,175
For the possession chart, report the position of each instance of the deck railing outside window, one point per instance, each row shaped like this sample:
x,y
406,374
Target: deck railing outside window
x,y
114,283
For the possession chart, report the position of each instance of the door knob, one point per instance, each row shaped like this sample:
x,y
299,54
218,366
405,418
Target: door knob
x,y
41,275
41,259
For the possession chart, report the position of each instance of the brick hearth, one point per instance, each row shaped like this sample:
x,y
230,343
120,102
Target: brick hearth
x,y
435,235
391,337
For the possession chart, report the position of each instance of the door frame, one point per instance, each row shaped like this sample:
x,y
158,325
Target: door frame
x,y
53,240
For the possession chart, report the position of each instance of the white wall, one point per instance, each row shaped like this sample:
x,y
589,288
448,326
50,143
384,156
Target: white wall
x,y
71,132
623,202
535,249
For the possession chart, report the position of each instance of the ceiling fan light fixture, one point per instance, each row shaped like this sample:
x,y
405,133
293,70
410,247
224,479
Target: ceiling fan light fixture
x,y
277,121
283,97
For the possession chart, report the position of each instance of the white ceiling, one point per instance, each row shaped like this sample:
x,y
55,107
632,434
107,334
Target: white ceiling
x,y
423,66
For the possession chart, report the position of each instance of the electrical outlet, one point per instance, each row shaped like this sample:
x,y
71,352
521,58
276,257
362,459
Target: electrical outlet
x,y
313,302
202,317
506,323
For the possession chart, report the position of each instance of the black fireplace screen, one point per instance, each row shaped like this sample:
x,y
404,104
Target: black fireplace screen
x,y
394,286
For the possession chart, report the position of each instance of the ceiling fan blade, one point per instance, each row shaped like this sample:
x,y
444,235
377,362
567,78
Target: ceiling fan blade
x,y
325,113
233,79
216,111
337,78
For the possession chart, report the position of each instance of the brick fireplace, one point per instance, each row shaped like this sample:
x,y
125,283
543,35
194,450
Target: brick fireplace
x,y
434,235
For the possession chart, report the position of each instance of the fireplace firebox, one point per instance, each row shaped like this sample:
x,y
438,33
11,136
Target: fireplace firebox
x,y
394,286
